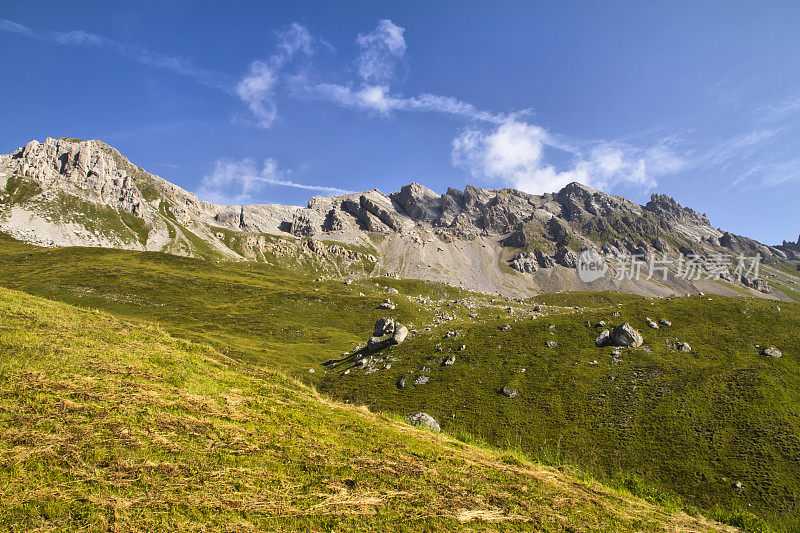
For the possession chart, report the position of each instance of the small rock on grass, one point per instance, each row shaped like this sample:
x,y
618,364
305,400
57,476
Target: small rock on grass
x,y
508,392
772,352
424,420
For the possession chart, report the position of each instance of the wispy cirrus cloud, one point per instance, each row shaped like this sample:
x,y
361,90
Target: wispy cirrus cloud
x,y
378,99
242,181
14,27
380,52
140,54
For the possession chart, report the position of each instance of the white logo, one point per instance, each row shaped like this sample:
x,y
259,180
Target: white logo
x,y
591,266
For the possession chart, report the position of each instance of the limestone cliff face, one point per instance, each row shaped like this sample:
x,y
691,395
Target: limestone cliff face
x,y
87,193
81,168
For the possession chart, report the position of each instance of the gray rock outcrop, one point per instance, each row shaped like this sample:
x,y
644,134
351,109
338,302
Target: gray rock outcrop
x,y
424,420
626,336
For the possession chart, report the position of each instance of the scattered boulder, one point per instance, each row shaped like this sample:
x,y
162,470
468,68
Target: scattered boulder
x,y
401,383
449,361
424,420
387,304
684,347
400,334
625,335
603,338
421,380
664,322
651,323
508,392
383,326
392,290
551,344
772,352
505,327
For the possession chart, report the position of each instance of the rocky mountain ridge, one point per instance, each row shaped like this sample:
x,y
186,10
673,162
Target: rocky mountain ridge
x,y
72,192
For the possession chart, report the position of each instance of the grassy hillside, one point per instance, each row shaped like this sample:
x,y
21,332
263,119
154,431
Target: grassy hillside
x,y
252,311
719,425
105,424
657,421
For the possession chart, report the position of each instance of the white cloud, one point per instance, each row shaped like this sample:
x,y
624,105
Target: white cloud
x,y
737,147
14,27
78,37
380,51
377,99
782,110
257,87
515,154
296,39
238,182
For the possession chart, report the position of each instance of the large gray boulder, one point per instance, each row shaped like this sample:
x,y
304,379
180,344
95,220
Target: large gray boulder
x,y
375,344
424,420
383,326
400,334
625,335
603,338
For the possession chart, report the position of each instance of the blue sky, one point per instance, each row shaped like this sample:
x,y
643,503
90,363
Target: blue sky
x,y
276,102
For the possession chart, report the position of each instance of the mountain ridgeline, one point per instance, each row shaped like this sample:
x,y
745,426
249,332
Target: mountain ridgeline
x,y
63,192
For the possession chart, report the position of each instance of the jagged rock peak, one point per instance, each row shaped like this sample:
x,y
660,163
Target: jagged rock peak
x,y
666,207
419,202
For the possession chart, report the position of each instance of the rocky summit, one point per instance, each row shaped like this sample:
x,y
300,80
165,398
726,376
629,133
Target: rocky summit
x,y
64,192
